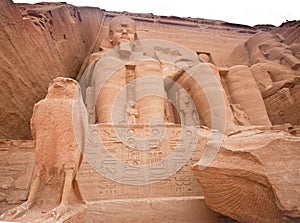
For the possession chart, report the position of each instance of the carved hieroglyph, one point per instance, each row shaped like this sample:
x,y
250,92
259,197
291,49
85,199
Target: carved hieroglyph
x,y
141,161
54,189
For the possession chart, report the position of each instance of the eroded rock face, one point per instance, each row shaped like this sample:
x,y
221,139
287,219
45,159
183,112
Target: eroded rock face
x,y
38,43
255,177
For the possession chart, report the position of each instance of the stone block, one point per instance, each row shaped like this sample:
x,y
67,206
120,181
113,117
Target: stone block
x,y
21,157
254,178
23,182
6,183
2,197
189,209
17,196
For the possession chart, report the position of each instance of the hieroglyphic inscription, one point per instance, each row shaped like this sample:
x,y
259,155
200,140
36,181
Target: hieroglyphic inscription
x,y
118,157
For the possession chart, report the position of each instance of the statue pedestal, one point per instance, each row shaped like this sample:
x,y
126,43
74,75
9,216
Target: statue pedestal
x,y
190,209
35,215
75,215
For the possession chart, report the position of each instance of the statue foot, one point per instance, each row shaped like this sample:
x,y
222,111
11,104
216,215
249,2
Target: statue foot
x,y
16,211
59,211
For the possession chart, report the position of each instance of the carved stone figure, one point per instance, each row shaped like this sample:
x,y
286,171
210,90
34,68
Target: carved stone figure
x,y
240,117
116,71
274,62
132,113
187,111
243,90
266,47
58,156
128,73
208,84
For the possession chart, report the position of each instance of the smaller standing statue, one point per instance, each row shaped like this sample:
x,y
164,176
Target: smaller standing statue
x,y
132,113
188,115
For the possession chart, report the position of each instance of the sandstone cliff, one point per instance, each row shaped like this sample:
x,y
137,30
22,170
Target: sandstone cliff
x,y
38,43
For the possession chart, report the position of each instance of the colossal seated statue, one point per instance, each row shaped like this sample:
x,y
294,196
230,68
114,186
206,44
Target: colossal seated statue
x,y
118,75
243,95
244,91
272,61
130,72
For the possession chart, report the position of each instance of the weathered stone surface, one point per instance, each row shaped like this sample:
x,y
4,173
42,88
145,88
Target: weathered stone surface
x,y
15,176
95,171
64,35
11,170
23,182
59,143
274,60
4,144
17,196
37,43
161,209
255,177
2,197
6,182
284,106
14,158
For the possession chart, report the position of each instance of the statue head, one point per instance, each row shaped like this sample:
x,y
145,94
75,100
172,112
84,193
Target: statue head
x,y
271,47
131,104
204,57
122,29
62,87
275,51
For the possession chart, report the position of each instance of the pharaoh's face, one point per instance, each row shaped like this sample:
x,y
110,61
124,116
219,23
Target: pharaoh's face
x,y
275,50
122,33
186,99
295,47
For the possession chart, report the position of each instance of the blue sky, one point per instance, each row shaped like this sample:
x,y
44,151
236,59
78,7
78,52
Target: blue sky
x,y
250,12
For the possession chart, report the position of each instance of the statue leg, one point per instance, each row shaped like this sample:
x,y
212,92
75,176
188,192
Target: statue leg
x,y
23,208
64,207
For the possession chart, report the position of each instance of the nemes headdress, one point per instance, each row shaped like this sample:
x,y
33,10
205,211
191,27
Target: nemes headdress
x,y
121,21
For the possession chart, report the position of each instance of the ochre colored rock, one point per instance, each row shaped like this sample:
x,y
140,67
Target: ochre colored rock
x,y
58,127
38,43
254,177
274,61
243,90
